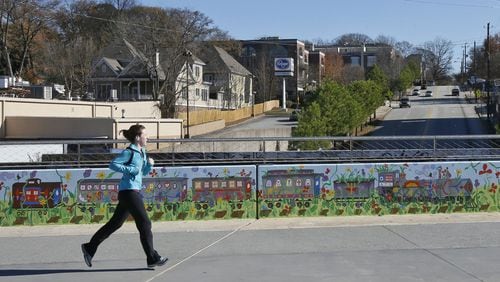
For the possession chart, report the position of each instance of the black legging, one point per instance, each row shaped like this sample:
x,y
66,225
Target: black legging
x,y
129,201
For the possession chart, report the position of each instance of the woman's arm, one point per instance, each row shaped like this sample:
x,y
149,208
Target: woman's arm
x,y
119,163
149,165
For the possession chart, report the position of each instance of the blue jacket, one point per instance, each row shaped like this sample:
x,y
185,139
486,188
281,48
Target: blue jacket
x,y
133,163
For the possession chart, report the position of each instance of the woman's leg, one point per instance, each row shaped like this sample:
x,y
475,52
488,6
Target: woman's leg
x,y
136,208
119,216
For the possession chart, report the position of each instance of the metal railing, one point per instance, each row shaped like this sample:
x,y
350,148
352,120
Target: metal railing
x,y
92,153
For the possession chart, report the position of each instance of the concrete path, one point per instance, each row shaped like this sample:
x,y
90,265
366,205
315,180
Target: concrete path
x,y
443,247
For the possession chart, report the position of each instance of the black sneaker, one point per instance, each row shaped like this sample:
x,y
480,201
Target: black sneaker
x,y
86,256
161,261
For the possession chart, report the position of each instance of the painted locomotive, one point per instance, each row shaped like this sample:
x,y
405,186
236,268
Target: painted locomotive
x,y
36,194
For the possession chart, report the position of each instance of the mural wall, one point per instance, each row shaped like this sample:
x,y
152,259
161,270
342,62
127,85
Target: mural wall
x,y
376,189
29,197
90,195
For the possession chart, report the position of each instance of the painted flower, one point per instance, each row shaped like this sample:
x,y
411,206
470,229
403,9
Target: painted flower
x,y
458,172
493,188
324,178
42,201
243,172
67,176
87,173
194,169
33,174
497,174
327,170
101,175
485,170
163,170
476,183
153,173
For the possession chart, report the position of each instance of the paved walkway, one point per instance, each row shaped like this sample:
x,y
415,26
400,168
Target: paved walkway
x,y
441,247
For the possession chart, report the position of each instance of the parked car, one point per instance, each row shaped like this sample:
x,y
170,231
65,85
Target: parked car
x,y
455,91
428,93
416,92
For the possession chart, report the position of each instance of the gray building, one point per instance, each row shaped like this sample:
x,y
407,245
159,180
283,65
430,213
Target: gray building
x,y
258,57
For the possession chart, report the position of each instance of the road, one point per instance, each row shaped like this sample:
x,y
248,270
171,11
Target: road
x,y
437,247
441,114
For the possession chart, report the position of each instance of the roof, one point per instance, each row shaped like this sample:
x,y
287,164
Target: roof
x,y
230,62
123,58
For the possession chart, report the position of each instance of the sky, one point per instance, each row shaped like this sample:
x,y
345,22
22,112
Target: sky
x,y
415,21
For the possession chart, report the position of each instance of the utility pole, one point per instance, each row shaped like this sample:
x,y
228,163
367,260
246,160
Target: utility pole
x,y
474,61
465,63
488,71
475,71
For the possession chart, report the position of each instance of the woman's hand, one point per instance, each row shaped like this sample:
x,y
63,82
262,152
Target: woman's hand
x,y
151,161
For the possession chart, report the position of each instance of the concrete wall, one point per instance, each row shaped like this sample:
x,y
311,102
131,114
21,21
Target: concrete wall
x,y
70,128
10,107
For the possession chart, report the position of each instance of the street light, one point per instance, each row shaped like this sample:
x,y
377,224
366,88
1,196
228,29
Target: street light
x,y
188,56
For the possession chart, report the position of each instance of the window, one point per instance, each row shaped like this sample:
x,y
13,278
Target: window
x,y
355,60
289,182
371,61
197,71
215,184
204,94
103,68
197,92
184,93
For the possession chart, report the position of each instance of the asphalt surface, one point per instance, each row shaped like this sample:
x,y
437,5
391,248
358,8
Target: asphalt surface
x,y
441,247
441,114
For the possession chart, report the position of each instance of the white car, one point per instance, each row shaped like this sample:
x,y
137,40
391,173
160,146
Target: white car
x,y
416,92
428,93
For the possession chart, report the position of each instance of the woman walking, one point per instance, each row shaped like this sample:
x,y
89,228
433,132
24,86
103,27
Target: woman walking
x,y
133,164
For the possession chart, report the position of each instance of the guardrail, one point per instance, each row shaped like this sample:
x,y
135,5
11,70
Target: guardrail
x,y
94,153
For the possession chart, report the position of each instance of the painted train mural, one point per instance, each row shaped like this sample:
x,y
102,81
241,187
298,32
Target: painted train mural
x,y
195,193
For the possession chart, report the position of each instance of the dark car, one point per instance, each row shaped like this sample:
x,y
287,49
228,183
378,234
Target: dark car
x,y
404,102
455,91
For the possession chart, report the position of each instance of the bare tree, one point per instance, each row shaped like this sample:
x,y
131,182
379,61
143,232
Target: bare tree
x,y
385,40
438,55
6,12
353,39
121,5
171,32
334,65
405,47
29,19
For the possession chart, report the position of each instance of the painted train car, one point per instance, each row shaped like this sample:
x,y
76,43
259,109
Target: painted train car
x,y
161,189
36,194
395,183
294,184
209,189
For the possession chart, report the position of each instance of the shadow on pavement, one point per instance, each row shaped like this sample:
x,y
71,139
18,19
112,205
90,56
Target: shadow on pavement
x,y
26,272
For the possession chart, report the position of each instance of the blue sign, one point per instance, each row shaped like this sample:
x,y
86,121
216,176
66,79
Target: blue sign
x,y
282,64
